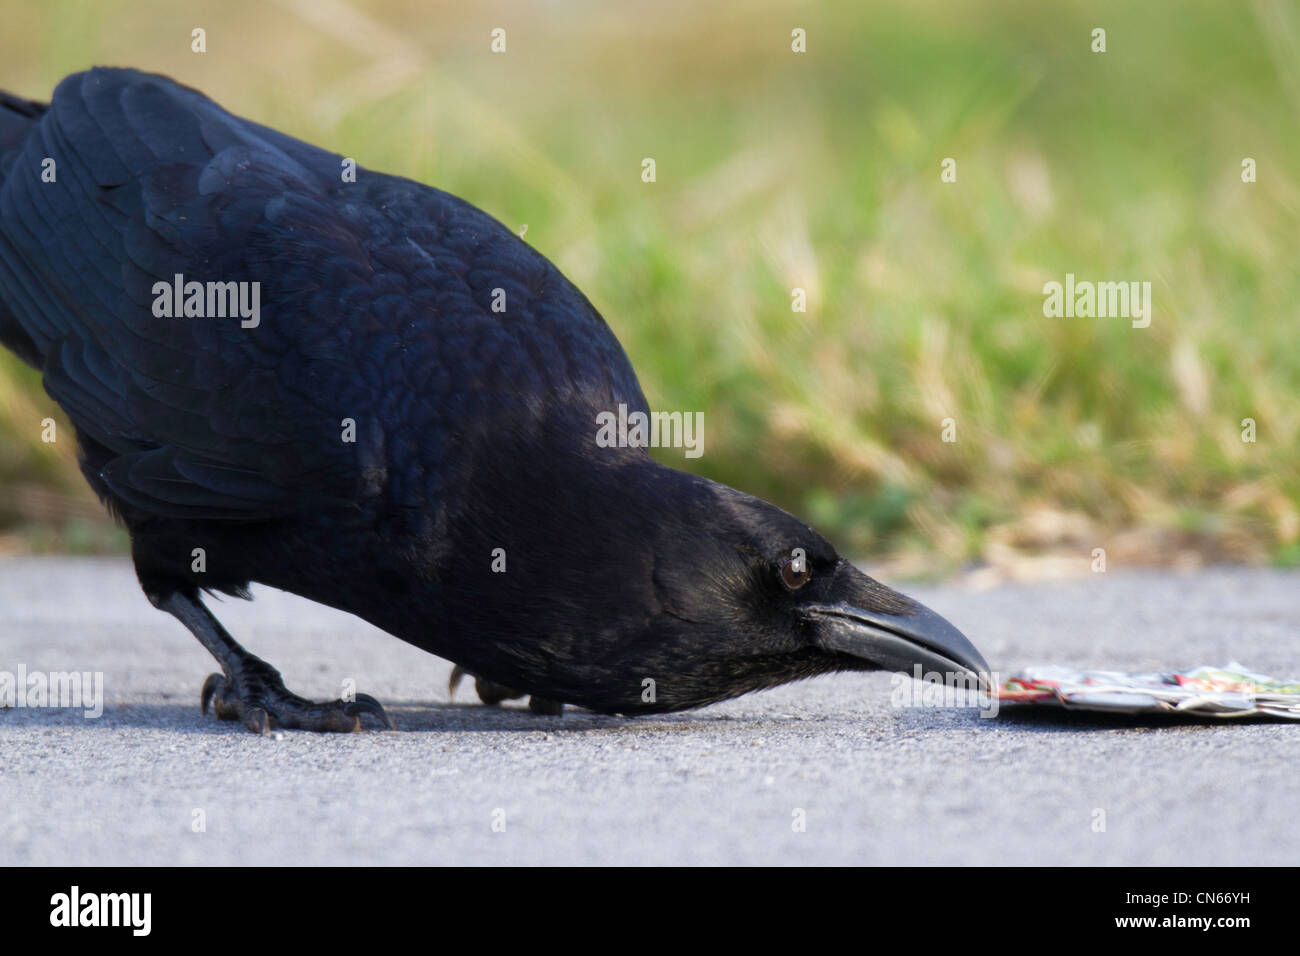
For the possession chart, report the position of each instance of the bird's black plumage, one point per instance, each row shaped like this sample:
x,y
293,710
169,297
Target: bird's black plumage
x,y
473,428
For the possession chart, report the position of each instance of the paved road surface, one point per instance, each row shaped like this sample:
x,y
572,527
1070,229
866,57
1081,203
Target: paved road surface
x,y
876,784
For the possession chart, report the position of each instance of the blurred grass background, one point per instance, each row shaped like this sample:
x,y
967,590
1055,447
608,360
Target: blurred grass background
x,y
821,170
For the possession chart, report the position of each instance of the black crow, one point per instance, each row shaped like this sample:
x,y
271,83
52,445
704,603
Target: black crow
x,y
285,369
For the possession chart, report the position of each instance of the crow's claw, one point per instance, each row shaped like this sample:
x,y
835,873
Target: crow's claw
x,y
209,688
258,699
492,693
458,674
365,704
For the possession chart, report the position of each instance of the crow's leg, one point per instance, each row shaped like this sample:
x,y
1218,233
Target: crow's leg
x,y
250,690
492,693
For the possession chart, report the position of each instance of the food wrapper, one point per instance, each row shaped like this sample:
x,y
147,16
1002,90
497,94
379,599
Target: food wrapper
x,y
1230,691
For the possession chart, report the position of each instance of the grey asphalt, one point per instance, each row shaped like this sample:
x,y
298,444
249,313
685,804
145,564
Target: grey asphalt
x,y
873,783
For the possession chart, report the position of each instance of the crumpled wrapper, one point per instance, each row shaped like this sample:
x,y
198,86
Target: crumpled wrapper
x,y
1224,692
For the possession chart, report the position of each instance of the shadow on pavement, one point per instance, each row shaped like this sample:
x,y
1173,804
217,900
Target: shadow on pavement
x,y
410,717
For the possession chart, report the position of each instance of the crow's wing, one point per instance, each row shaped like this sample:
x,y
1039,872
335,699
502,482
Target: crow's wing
x,y
376,308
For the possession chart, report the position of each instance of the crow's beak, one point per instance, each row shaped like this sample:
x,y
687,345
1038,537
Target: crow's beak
x,y
897,639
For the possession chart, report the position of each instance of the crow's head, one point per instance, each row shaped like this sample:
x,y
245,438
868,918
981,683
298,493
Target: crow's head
x,y
752,597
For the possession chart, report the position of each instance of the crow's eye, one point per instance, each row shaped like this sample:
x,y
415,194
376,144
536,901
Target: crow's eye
x,y
795,573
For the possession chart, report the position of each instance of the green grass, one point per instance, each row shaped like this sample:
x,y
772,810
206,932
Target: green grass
x,y
821,171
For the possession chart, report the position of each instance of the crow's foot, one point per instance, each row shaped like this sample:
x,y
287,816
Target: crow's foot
x,y
492,693
257,698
